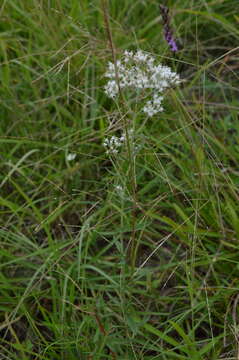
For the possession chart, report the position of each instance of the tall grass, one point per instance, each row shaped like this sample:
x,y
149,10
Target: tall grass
x,y
95,265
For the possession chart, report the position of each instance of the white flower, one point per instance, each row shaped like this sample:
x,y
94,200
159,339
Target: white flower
x,y
140,56
114,143
70,156
139,71
119,188
111,89
153,106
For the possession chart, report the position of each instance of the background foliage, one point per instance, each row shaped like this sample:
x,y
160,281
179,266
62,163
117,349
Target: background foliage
x,y
67,288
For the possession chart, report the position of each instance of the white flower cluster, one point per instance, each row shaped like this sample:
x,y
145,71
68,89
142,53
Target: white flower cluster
x,y
114,143
139,71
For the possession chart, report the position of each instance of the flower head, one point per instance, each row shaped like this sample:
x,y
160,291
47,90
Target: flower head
x,y
139,72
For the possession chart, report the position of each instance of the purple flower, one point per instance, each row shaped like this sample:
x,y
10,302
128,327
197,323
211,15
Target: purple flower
x,y
171,42
167,30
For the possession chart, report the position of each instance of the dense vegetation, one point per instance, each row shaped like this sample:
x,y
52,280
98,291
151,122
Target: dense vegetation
x,y
133,256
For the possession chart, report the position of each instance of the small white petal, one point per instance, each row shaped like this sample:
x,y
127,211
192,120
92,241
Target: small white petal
x,y
70,156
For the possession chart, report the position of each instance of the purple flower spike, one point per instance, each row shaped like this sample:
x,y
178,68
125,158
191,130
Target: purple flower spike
x,y
167,30
173,44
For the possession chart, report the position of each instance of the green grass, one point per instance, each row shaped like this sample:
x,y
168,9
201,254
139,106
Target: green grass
x,y
90,272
